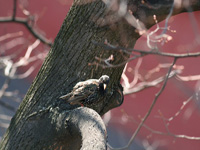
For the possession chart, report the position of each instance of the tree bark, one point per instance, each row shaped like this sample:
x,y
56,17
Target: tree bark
x,y
43,121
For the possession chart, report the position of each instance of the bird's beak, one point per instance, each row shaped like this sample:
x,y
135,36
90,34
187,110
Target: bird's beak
x,y
104,86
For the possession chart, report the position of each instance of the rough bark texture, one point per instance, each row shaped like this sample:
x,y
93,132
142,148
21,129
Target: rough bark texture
x,y
43,121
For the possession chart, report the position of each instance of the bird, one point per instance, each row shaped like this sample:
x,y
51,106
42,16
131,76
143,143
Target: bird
x,y
88,92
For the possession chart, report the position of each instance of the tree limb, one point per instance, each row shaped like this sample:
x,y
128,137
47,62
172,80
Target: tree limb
x,y
90,125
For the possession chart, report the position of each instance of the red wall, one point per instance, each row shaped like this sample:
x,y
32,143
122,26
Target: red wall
x,y
50,16
185,39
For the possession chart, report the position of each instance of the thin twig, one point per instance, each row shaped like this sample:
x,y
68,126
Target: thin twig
x,y
143,52
11,35
180,110
24,22
106,64
14,9
152,105
162,133
167,18
4,87
150,109
143,85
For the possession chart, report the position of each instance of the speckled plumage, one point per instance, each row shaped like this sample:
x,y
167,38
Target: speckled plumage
x,y
87,92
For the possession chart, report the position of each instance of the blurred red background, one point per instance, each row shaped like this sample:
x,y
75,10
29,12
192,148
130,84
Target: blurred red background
x,y
49,17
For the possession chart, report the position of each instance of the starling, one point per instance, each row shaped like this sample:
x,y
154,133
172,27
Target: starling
x,y
87,92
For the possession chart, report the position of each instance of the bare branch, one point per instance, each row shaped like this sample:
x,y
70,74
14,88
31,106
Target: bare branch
x,y
105,63
150,109
24,22
4,87
89,124
152,105
14,9
143,52
159,132
179,111
188,78
10,35
143,85
11,44
131,84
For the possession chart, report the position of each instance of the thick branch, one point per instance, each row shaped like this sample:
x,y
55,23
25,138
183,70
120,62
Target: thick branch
x,y
91,127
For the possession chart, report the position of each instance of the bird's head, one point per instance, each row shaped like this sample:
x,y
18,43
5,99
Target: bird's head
x,y
103,82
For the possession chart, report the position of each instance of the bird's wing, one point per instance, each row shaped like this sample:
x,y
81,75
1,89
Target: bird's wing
x,y
78,97
85,83
76,87
82,92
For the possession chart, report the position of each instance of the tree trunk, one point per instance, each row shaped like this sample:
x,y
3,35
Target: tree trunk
x,y
43,121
